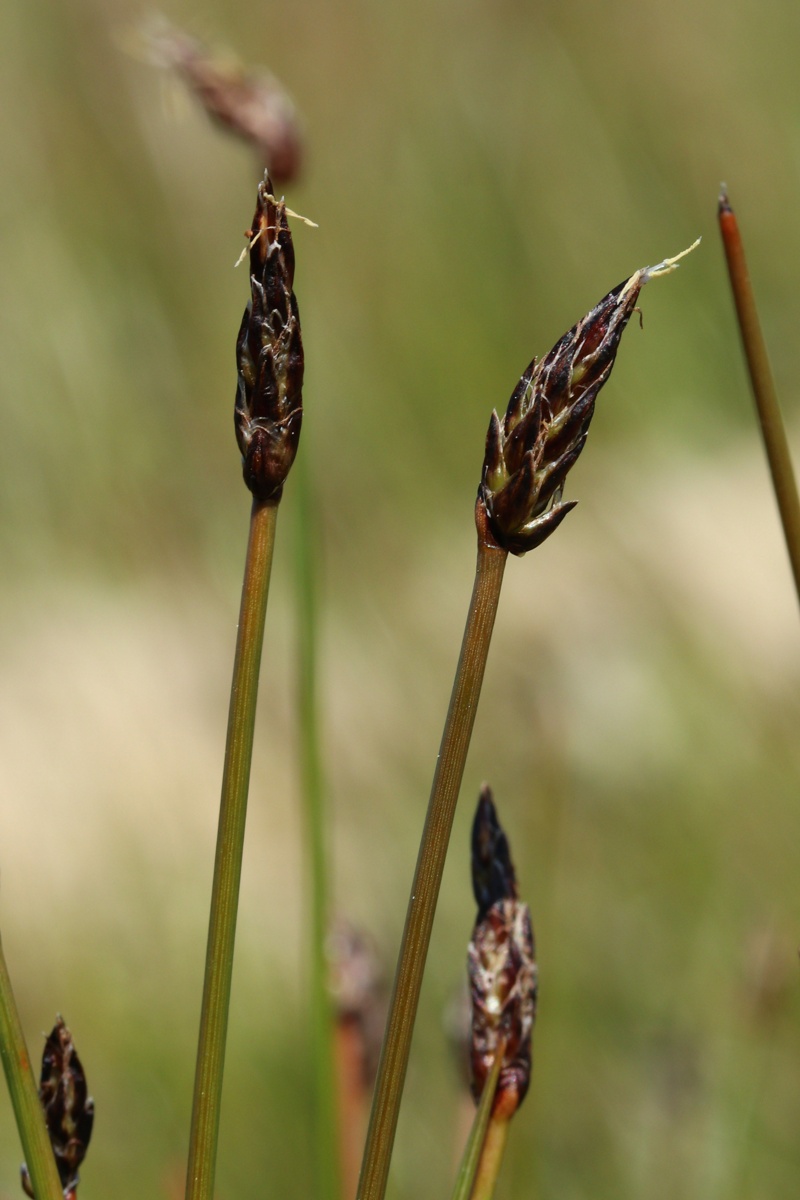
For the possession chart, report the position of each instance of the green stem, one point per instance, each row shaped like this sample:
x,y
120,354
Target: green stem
x,y
327,1173
28,1110
428,874
473,1150
763,385
228,859
491,1158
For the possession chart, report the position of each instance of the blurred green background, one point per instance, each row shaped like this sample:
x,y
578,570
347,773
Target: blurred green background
x,y
482,173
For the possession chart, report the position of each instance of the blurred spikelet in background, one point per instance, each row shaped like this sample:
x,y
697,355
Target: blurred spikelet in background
x,y
249,103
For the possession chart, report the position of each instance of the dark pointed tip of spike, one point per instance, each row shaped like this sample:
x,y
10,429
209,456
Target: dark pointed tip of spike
x,y
493,452
724,201
485,821
493,875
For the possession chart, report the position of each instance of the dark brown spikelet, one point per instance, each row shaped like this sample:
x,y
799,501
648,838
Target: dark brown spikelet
x,y
269,355
531,450
68,1109
501,966
251,104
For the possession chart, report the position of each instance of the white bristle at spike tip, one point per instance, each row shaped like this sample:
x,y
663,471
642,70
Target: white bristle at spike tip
x,y
665,267
668,264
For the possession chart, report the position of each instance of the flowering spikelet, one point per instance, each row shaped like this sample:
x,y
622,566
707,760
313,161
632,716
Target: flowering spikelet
x,y
530,451
501,965
68,1109
269,355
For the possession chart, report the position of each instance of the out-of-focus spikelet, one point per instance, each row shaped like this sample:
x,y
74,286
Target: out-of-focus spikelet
x,y
250,103
358,990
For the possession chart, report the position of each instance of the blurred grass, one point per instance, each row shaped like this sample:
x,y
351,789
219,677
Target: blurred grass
x,y
482,174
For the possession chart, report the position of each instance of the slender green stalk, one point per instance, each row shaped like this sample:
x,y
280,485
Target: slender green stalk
x,y
468,1169
430,865
494,1146
327,1173
763,385
519,505
228,860
28,1110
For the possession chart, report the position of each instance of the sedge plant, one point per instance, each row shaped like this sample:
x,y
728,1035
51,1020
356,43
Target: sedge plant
x,y
529,453
503,980
254,106
268,418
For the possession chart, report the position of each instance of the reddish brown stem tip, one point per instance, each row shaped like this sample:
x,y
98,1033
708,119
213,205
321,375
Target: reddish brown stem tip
x,y
761,381
724,203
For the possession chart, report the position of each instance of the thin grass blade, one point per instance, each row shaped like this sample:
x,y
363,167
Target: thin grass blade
x,y
327,1158
468,1169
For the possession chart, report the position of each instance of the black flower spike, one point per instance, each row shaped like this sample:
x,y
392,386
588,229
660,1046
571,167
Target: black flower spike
x,y
68,1108
530,451
269,355
493,876
501,965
